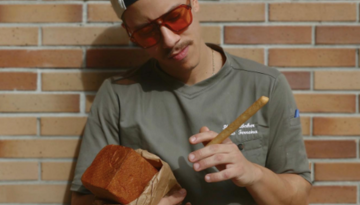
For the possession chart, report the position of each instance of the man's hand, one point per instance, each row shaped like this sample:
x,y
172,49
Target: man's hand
x,y
174,197
227,157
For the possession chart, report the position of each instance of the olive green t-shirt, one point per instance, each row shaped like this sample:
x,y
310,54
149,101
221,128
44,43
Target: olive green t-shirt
x,y
150,110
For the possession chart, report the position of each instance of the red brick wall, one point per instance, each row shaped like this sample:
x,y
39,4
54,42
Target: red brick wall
x,y
54,55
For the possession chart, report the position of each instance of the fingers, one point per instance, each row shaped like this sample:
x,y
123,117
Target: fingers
x,y
215,160
211,150
175,198
204,129
223,175
203,136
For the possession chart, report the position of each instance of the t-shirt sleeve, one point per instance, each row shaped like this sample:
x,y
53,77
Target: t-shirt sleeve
x,y
286,153
101,129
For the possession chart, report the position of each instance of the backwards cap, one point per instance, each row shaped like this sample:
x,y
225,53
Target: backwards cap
x,y
120,6
126,3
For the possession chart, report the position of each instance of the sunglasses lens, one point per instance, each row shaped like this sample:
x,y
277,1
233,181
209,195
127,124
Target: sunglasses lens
x,y
147,36
177,20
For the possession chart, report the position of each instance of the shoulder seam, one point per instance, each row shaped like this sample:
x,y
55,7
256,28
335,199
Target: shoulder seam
x,y
251,71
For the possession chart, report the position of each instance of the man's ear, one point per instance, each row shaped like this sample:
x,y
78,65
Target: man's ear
x,y
195,5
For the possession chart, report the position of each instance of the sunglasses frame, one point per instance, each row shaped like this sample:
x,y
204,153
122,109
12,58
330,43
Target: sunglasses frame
x,y
159,22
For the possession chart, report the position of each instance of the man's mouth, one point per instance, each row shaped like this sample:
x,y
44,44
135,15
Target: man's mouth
x,y
180,55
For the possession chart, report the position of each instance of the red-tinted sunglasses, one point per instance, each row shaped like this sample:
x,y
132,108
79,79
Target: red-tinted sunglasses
x,y
176,20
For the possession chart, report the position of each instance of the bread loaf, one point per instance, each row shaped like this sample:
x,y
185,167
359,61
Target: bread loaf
x,y
118,173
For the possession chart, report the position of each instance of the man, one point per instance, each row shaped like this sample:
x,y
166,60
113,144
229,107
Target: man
x,y
189,85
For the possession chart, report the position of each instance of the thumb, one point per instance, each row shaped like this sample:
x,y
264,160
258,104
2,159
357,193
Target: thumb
x,y
175,198
204,129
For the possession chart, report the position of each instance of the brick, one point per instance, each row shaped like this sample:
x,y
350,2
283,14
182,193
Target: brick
x,y
74,81
70,126
298,80
39,148
85,36
255,54
64,58
267,34
231,12
115,58
39,103
347,126
338,35
89,101
57,171
333,194
102,12
211,34
35,193
305,125
18,36
18,171
18,81
10,126
312,12
312,57
337,172
333,149
40,13
329,103
336,80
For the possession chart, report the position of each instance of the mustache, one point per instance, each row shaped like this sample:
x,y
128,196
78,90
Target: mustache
x,y
178,48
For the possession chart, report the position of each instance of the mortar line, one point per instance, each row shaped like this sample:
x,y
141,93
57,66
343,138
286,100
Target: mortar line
x,y
38,81
60,137
222,35
40,170
38,127
82,103
311,126
357,11
267,12
357,148
357,58
336,183
313,172
33,182
357,104
312,79
266,56
40,36
85,10
38,160
313,35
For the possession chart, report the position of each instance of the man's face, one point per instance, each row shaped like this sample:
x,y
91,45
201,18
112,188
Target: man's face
x,y
175,50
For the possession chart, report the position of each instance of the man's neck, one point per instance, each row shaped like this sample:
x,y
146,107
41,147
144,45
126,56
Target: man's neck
x,y
210,62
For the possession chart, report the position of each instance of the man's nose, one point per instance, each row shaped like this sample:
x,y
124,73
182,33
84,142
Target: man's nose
x,y
169,37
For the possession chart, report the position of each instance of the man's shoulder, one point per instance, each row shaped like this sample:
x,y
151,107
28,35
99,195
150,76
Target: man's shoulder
x,y
132,76
251,67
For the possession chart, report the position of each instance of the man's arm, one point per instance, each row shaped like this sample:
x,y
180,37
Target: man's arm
x,y
290,189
